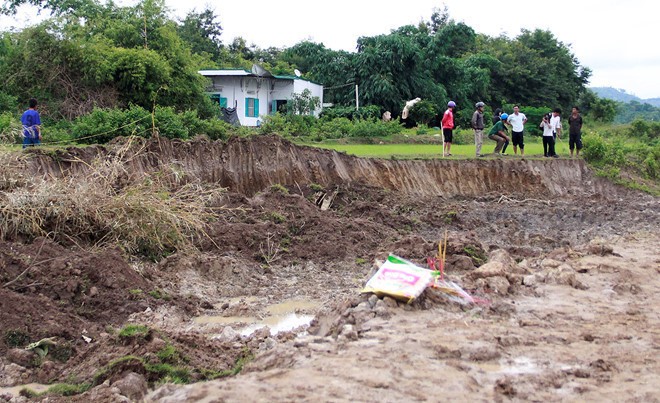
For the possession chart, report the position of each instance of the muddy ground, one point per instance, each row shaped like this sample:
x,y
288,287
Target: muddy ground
x,y
565,266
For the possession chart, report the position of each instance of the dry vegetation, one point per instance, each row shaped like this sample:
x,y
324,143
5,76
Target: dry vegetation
x,y
151,215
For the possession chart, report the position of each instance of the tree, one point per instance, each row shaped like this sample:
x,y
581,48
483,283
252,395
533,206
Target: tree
x,y
604,110
303,103
202,32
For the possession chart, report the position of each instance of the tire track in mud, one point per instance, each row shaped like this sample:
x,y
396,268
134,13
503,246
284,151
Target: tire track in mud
x,y
249,165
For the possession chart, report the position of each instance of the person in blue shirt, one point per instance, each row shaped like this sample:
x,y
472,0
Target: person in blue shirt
x,y
31,125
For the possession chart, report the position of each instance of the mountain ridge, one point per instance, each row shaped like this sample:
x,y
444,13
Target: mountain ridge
x,y
619,94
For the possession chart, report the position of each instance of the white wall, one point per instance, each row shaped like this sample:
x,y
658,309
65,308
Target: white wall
x,y
237,88
317,91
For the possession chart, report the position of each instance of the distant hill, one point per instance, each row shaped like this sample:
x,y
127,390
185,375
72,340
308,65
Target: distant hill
x,y
622,96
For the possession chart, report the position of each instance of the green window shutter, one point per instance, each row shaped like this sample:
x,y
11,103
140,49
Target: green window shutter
x,y
247,107
223,102
273,107
256,107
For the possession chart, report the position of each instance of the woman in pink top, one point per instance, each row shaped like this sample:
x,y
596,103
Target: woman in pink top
x,y
448,128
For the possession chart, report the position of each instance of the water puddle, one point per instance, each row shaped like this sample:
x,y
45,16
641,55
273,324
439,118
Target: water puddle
x,y
281,317
279,323
224,320
520,365
15,390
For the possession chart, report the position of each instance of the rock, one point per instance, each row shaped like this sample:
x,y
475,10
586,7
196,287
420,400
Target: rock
x,y
490,269
373,298
550,263
229,334
132,385
560,254
24,358
500,285
261,333
158,344
93,292
530,280
565,274
349,332
390,302
505,387
11,374
508,340
484,354
267,344
460,263
502,256
599,247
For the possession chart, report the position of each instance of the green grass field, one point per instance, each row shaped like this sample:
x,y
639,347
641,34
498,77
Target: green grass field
x,y
533,149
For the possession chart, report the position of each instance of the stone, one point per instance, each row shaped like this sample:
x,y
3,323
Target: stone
x,y
93,292
530,280
550,263
229,334
459,263
490,269
132,385
268,344
24,358
373,298
498,284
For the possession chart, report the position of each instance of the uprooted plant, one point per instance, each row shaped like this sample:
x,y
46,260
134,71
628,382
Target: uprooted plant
x,y
152,214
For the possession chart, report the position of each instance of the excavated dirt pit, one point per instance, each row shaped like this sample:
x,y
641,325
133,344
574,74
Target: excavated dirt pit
x,y
565,265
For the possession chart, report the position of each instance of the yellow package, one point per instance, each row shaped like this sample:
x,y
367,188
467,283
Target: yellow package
x,y
399,279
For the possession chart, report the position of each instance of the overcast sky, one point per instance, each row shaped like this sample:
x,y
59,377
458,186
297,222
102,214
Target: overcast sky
x,y
617,40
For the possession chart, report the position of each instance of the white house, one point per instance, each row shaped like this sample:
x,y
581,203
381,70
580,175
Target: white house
x,y
257,93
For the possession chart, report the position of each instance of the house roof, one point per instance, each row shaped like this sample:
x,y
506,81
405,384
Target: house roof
x,y
225,72
246,73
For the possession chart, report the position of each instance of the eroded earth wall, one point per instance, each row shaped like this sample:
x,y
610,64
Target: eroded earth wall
x,y
248,165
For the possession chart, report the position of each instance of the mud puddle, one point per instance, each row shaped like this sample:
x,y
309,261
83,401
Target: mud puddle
x,y
282,317
16,390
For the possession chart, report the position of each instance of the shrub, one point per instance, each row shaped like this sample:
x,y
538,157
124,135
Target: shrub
x,y
276,123
374,128
595,148
102,125
333,129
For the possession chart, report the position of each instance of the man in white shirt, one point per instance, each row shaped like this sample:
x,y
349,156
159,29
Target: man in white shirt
x,y
517,121
555,122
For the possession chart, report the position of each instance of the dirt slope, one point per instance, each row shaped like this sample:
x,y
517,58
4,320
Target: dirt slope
x,y
248,165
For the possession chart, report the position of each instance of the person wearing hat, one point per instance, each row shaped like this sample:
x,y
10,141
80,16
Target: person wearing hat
x,y
498,133
478,126
448,128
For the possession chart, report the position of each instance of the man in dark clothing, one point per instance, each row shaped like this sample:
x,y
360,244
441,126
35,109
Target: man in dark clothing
x,y
575,131
478,126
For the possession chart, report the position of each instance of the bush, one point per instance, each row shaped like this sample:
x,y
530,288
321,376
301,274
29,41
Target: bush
x,y
276,123
102,125
642,128
595,148
464,137
334,129
374,128
423,112
349,112
8,102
